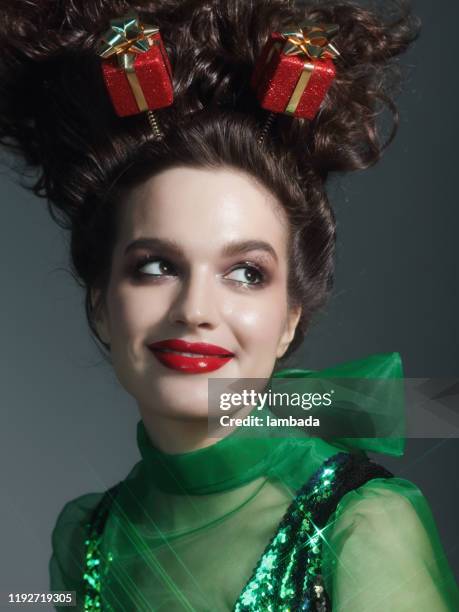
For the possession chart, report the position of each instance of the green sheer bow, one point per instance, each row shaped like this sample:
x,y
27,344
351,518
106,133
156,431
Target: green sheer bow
x,y
379,368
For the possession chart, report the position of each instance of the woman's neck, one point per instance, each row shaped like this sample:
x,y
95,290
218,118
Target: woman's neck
x,y
182,435
172,435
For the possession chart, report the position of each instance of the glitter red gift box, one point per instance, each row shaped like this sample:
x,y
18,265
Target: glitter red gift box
x,y
152,71
291,84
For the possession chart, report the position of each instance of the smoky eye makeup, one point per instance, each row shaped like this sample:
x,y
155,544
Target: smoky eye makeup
x,y
254,270
160,266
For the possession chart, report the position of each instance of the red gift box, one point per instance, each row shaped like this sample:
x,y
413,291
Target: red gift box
x,y
139,82
291,84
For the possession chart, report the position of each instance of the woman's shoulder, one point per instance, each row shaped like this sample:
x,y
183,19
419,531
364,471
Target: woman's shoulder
x,y
391,511
68,541
386,532
75,513
381,496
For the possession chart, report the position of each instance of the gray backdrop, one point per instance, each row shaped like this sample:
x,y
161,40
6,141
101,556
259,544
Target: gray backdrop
x,y
68,428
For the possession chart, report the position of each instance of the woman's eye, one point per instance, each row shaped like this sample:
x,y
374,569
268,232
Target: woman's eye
x,y
155,267
249,275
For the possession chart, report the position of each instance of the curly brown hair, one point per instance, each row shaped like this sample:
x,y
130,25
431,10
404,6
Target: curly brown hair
x,y
55,112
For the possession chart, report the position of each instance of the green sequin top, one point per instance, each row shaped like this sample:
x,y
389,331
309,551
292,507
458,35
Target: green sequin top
x,y
268,524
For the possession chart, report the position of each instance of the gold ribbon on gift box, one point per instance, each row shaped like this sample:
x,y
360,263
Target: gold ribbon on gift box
x,y
312,41
126,38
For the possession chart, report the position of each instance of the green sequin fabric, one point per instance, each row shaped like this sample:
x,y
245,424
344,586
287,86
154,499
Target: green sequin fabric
x,y
94,570
288,576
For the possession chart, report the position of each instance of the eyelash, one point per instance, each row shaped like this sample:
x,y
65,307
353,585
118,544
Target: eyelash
x,y
143,261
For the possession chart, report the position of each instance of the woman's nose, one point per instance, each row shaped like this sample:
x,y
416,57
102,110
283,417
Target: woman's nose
x,y
195,304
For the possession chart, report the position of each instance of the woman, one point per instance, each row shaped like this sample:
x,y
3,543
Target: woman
x,y
205,245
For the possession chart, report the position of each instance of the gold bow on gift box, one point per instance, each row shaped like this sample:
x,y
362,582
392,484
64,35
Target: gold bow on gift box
x,y
126,38
312,40
126,35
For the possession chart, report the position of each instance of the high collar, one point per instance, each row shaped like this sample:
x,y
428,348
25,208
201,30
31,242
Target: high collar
x,y
228,463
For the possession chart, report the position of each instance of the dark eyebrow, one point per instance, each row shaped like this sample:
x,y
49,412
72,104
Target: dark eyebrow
x,y
238,247
165,244
235,247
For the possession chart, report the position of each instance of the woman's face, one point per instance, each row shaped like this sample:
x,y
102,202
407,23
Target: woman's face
x,y
201,256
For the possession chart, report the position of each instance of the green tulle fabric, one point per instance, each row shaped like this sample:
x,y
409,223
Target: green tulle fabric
x,y
186,530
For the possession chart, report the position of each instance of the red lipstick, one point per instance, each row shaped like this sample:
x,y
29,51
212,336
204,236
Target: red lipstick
x,y
190,357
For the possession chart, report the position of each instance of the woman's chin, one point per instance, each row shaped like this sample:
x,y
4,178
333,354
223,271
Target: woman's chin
x,y
177,399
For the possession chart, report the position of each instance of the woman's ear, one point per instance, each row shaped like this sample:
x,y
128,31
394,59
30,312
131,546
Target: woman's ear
x,y
100,317
293,318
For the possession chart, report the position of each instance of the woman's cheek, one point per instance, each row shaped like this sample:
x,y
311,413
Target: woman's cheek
x,y
258,323
136,310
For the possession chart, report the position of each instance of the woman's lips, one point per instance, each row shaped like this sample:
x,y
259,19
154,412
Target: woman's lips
x,y
190,357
